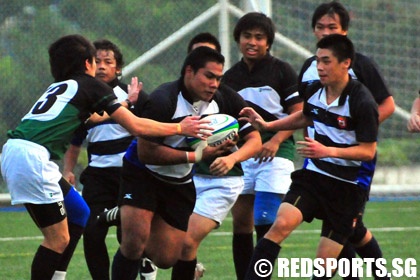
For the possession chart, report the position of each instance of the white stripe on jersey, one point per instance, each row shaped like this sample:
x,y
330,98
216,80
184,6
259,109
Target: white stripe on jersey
x,y
103,161
265,97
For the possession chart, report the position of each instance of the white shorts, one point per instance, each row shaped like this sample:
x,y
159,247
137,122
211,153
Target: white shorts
x,y
29,174
273,176
216,195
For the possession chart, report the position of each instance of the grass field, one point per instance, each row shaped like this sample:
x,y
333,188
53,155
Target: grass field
x,y
396,226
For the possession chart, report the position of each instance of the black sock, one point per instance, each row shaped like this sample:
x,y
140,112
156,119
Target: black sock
x,y
75,232
242,247
265,249
44,264
184,270
371,250
261,230
123,268
95,249
349,253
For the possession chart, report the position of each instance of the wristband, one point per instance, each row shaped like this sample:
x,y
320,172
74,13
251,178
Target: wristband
x,y
178,128
129,104
199,151
187,154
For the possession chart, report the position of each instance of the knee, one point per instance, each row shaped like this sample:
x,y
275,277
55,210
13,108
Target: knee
x,y
189,248
77,210
132,249
58,243
165,261
279,230
360,236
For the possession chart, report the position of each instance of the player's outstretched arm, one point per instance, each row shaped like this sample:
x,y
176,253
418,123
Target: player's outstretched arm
x,y
189,126
294,121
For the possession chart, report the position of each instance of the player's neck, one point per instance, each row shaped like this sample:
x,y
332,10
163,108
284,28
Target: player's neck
x,y
334,90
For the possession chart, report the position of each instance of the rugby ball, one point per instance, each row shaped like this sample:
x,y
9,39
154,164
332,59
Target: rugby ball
x,y
225,127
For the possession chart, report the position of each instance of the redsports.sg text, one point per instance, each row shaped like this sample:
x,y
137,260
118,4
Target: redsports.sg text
x,y
357,267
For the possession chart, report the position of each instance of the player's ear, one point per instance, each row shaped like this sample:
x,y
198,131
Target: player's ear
x,y
347,63
189,70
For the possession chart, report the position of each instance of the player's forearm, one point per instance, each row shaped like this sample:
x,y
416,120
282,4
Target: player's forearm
x,y
362,152
144,127
156,154
292,122
281,136
386,109
70,158
251,146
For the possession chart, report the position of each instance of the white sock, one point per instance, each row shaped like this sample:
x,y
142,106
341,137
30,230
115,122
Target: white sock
x,y
59,275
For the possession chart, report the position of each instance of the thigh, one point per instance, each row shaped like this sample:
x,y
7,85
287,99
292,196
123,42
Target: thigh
x,y
135,228
165,244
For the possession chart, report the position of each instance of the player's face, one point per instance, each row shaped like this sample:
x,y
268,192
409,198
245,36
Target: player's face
x,y
330,70
253,45
328,25
204,83
106,69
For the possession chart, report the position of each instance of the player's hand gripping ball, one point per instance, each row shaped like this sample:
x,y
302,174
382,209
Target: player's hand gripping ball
x,y
225,127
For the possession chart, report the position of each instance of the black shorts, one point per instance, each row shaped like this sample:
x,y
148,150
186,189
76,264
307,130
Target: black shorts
x,y
45,215
336,202
101,185
173,202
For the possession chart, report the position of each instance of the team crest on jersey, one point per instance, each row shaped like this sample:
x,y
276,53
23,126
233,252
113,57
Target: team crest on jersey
x,y
342,122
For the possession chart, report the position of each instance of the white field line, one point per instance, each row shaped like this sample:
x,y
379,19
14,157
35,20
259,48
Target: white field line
x,y
224,233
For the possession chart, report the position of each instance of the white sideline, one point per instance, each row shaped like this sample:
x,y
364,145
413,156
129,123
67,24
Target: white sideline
x,y
225,233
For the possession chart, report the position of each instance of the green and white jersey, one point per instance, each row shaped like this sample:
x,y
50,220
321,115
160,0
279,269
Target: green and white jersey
x,y
62,108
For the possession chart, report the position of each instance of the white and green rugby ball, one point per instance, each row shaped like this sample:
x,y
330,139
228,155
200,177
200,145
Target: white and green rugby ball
x,y
225,127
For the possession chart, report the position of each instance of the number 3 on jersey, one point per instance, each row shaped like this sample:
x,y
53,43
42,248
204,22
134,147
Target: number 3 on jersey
x,y
53,101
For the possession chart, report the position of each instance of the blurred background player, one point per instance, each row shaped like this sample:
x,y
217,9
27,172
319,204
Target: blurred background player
x,y
269,85
106,145
216,192
333,18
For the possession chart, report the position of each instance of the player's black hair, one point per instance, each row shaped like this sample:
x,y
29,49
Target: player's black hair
x,y
204,37
199,57
104,44
68,55
340,45
330,9
255,20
